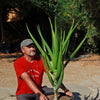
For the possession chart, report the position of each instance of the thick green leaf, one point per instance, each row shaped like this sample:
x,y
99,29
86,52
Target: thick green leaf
x,y
37,44
65,51
59,63
49,64
54,44
60,80
75,51
49,76
79,46
70,33
45,43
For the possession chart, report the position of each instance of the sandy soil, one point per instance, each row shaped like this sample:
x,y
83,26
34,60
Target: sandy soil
x,y
76,71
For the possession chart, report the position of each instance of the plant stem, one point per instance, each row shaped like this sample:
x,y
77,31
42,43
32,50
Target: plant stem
x,y
55,95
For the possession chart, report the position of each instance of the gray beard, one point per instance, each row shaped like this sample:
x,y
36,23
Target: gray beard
x,y
31,54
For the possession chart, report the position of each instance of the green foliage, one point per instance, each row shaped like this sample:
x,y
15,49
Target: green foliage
x,y
67,10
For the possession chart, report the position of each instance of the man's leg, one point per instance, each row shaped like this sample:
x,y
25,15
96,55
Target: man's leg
x,y
27,97
47,91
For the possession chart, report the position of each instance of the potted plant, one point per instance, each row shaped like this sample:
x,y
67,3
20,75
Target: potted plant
x,y
57,54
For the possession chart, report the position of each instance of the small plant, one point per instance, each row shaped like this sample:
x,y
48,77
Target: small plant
x,y
57,54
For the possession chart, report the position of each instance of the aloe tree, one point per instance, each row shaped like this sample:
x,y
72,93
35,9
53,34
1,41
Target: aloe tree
x,y
56,54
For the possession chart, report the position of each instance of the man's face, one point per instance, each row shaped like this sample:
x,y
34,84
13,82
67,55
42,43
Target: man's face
x,y
29,50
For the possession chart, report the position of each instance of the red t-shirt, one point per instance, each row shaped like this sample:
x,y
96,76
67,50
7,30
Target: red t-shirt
x,y
36,72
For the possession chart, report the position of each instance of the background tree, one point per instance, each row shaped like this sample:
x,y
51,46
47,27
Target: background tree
x,y
65,11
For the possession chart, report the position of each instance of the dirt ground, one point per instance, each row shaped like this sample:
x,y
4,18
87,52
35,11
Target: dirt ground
x,y
78,70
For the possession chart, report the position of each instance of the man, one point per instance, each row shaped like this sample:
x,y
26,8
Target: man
x,y
29,70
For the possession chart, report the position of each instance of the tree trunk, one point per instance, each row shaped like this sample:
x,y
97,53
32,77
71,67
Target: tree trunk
x,y
2,31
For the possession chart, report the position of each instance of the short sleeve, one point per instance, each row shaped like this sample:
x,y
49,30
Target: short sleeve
x,y
19,68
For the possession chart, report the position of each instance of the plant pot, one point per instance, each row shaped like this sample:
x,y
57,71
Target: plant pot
x,y
61,96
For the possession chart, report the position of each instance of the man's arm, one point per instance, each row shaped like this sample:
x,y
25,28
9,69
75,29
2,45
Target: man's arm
x,y
32,85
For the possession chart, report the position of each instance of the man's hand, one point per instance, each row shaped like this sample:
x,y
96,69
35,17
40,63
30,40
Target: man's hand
x,y
68,93
42,97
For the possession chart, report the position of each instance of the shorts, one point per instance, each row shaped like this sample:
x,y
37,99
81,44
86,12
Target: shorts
x,y
45,90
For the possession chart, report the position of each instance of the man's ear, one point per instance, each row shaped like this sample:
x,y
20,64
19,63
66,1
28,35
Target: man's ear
x,y
22,50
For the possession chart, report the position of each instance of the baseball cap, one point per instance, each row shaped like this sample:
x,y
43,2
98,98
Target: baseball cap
x,y
26,42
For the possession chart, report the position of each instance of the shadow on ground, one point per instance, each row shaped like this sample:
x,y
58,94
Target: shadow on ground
x,y
77,96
